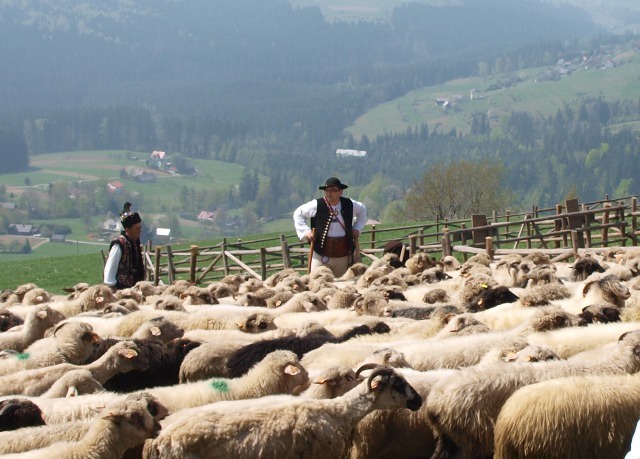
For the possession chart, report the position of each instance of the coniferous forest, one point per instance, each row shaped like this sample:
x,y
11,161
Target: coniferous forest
x,y
272,87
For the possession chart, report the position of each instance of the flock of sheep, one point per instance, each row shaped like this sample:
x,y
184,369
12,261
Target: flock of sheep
x,y
508,358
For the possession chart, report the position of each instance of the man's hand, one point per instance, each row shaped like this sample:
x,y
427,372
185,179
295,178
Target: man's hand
x,y
309,236
356,234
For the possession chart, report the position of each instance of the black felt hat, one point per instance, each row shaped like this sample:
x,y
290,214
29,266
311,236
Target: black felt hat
x,y
333,181
128,218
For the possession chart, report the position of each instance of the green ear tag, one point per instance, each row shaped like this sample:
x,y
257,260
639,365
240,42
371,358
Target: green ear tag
x,y
23,356
220,386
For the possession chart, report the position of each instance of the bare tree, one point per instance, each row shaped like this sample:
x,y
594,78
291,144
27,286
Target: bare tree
x,y
457,190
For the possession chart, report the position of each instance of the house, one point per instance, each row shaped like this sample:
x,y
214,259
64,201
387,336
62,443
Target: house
x,y
111,224
340,152
163,235
442,102
145,177
205,216
115,186
22,230
58,238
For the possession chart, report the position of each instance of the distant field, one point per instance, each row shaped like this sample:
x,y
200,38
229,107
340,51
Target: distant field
x,y
545,97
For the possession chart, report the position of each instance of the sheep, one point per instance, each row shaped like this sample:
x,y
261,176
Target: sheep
x,y
278,299
92,299
301,427
584,267
119,427
332,382
72,342
244,358
16,296
600,313
474,285
195,295
74,383
608,288
575,417
419,262
16,413
250,320
460,325
426,312
543,294
9,320
463,407
437,295
36,296
302,302
37,321
159,330
490,297
34,438
279,372
164,361
354,271
123,357
169,303
433,275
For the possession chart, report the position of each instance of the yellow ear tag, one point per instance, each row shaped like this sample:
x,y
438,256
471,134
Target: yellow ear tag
x,y
484,286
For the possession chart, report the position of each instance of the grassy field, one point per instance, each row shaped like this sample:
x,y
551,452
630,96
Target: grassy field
x,y
529,95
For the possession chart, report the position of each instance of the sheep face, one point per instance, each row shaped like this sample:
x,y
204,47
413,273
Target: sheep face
x,y
610,289
257,323
391,389
492,297
16,413
8,320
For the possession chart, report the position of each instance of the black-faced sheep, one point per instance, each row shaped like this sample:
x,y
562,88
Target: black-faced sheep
x,y
584,267
9,320
16,413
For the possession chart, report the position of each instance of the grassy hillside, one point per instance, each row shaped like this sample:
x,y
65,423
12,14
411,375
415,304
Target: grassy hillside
x,y
529,94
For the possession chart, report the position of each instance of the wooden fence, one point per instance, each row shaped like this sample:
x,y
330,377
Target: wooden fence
x,y
563,232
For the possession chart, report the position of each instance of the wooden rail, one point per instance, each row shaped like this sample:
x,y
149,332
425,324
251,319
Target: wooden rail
x,y
564,232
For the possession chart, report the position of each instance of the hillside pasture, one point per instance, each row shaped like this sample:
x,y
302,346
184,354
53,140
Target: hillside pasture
x,y
528,94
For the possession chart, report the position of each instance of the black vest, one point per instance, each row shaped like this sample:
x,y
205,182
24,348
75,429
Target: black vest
x,y
322,220
131,266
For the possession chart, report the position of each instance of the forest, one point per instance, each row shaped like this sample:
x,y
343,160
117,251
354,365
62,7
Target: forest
x,y
272,87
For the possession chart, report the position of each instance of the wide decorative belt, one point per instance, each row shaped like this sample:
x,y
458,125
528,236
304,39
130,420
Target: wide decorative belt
x,y
336,247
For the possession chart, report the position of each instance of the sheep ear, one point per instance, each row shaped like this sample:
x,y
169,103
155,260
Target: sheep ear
x,y
72,392
127,353
322,381
292,370
155,331
41,314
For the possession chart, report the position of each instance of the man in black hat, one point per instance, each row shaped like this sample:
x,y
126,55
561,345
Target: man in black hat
x,y
124,266
337,221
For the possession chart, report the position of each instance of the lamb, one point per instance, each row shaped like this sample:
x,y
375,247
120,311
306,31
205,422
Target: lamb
x,y
284,430
123,357
37,321
119,427
577,417
463,408
16,413
244,358
72,342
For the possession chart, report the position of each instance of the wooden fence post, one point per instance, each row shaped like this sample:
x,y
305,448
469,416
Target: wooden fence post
x,y
225,261
605,221
286,258
193,264
634,220
373,237
446,242
263,262
171,274
412,245
488,243
156,267
420,237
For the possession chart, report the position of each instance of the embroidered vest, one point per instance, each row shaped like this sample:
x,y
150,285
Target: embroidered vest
x,y
131,266
322,220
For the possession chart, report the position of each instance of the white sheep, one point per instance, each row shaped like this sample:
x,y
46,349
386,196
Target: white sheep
x,y
279,372
121,358
119,427
74,383
303,427
31,438
463,408
93,298
72,342
575,417
37,321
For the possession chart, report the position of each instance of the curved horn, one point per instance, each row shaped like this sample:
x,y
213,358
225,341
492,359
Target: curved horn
x,y
367,366
380,371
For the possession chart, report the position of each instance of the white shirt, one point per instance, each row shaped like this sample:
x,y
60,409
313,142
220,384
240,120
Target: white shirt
x,y
309,209
111,266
